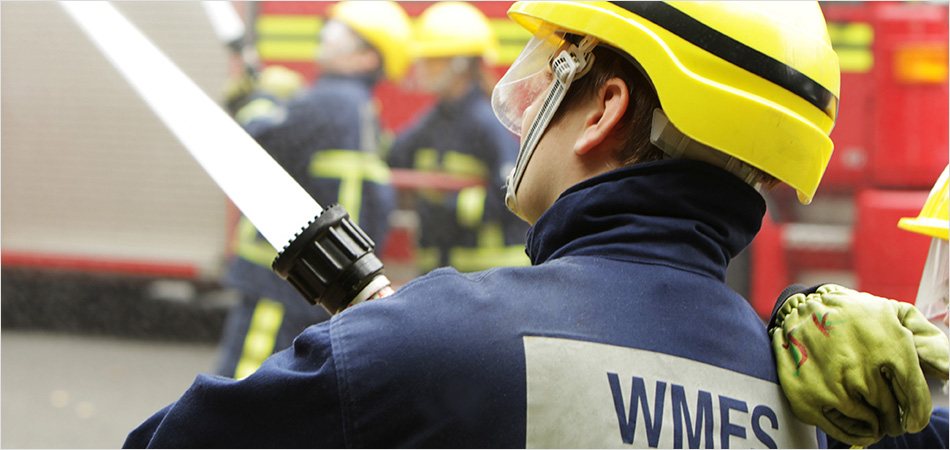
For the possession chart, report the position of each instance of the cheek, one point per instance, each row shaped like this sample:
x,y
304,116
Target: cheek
x,y
535,185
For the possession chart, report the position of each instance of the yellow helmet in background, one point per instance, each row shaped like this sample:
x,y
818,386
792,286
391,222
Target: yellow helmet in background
x,y
934,218
385,26
758,81
449,29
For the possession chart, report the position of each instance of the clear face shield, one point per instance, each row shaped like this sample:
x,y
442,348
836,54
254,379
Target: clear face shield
x,y
542,73
934,285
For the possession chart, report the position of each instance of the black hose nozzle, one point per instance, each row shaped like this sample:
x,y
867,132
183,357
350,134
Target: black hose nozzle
x,y
331,261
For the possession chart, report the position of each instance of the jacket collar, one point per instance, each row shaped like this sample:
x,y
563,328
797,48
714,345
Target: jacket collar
x,y
367,80
682,213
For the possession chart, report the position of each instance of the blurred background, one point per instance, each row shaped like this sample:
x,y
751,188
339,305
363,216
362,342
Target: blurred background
x,y
114,239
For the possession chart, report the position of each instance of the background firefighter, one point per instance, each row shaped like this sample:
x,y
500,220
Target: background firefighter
x,y
634,211
327,137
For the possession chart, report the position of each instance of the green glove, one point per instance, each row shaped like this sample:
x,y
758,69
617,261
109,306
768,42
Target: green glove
x,y
853,364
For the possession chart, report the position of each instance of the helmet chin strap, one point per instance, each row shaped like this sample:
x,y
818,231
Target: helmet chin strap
x,y
569,65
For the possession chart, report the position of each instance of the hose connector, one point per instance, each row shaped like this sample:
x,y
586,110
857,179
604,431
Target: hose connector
x,y
331,262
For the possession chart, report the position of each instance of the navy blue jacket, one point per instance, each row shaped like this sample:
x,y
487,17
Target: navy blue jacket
x,y
622,332
335,114
327,139
463,137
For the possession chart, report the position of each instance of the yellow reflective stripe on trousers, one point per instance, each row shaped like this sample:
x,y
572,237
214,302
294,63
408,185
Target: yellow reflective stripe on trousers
x,y
261,336
351,168
470,206
249,246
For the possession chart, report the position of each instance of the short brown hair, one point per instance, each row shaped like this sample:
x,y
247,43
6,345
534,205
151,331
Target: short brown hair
x,y
634,127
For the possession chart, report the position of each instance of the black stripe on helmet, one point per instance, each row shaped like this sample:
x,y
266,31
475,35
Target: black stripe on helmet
x,y
735,52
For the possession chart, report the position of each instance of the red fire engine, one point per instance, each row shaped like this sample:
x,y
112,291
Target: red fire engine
x,y
890,147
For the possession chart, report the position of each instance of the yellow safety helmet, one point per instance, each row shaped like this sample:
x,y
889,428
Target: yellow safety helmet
x,y
449,29
385,26
934,218
758,81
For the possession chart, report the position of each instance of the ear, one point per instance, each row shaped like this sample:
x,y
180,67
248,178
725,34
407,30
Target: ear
x,y
605,112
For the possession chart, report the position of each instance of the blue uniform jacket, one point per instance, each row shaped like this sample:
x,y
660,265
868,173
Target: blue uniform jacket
x,y
335,114
622,332
327,139
463,137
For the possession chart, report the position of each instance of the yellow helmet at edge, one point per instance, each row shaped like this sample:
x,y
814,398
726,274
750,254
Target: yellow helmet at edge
x,y
385,26
758,81
934,218
449,29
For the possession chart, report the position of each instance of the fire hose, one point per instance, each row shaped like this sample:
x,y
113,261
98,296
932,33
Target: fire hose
x,y
328,259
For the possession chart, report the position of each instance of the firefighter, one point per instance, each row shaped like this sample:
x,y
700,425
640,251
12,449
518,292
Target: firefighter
x,y
932,295
327,138
874,403
471,229
646,129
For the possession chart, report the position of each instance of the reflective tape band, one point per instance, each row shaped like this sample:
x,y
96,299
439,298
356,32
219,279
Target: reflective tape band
x,y
476,259
852,42
286,37
352,168
491,252
512,39
340,163
261,336
470,206
427,258
426,159
283,37
463,164
248,244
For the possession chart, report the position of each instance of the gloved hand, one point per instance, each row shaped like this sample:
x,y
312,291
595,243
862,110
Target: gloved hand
x,y
853,364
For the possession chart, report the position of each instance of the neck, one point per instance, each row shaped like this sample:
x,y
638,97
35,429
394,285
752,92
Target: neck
x,y
690,214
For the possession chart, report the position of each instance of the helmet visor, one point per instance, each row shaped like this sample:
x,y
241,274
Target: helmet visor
x,y
934,284
528,78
